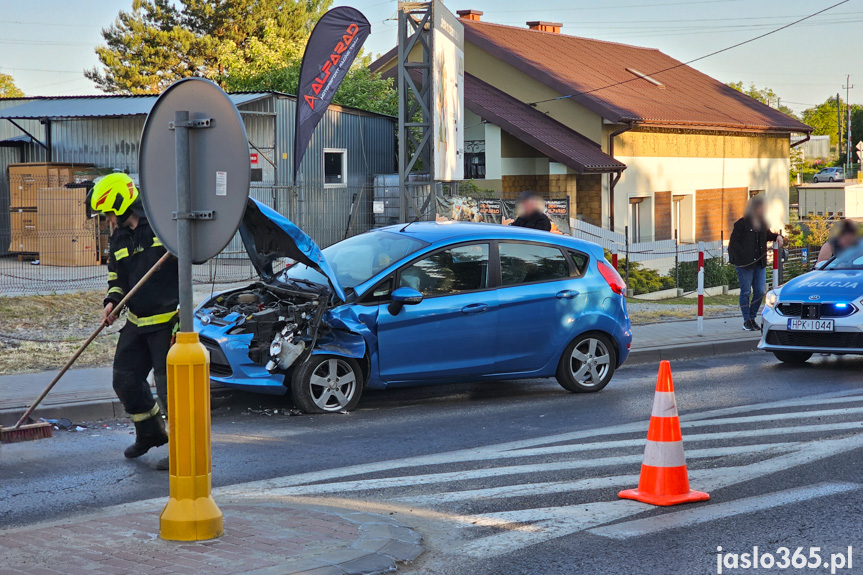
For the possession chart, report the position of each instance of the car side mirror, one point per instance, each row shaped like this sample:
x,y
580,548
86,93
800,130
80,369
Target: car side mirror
x,y
403,296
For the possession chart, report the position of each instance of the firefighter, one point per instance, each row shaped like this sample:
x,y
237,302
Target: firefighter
x,y
152,311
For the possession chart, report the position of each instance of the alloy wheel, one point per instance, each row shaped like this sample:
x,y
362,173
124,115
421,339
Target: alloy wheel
x,y
333,385
590,362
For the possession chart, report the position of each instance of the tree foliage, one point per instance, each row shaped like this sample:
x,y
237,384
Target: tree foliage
x,y
360,88
8,89
824,119
763,95
160,41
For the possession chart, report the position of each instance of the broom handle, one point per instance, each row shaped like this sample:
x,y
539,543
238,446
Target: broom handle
x,y
114,312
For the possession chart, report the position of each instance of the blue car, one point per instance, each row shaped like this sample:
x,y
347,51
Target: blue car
x,y
817,312
414,304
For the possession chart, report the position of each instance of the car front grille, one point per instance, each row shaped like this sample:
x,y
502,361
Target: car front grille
x,y
821,340
795,309
790,309
219,365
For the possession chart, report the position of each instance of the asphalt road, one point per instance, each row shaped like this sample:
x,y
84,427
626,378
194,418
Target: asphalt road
x,y
522,477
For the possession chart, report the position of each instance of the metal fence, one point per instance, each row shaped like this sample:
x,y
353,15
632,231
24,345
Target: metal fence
x,y
55,247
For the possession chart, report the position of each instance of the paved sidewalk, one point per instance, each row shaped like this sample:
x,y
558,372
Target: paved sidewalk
x,y
261,538
86,394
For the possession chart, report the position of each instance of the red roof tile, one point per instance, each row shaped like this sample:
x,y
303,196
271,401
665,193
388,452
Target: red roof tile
x,y
536,129
585,67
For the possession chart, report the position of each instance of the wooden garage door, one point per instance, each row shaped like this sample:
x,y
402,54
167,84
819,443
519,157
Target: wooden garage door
x,y
717,210
662,215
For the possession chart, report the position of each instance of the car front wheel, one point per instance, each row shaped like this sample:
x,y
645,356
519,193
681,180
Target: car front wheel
x,y
327,384
796,357
587,363
814,180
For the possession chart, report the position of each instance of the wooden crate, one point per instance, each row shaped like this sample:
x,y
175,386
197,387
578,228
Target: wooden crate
x,y
24,231
26,179
78,248
67,237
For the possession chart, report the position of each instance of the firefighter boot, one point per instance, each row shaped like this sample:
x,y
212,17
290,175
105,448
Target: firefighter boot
x,y
149,433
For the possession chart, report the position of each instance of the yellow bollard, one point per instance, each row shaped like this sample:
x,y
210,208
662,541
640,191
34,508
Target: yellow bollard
x,y
191,513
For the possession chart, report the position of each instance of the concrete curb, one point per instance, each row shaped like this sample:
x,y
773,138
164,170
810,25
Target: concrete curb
x,y
691,351
83,411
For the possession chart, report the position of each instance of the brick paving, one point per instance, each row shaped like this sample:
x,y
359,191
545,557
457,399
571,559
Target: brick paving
x,y
257,537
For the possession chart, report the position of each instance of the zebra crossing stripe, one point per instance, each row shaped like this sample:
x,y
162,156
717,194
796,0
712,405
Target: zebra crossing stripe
x,y
703,514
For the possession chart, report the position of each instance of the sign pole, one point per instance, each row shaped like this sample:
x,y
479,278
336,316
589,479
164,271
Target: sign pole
x,y
191,513
184,223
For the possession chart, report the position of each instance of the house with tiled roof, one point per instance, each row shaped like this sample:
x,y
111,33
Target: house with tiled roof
x,y
636,139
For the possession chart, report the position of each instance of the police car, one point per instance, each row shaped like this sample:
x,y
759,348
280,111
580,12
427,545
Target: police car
x,y
817,312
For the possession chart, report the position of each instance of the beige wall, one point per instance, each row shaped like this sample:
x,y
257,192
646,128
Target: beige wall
x,y
525,88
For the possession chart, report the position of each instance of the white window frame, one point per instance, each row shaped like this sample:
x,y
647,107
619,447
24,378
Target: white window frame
x,y
344,153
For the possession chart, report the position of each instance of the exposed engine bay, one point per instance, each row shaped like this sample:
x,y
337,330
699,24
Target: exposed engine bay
x,y
284,321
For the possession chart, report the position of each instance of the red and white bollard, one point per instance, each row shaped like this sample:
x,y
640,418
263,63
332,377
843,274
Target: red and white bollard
x,y
700,322
775,267
614,257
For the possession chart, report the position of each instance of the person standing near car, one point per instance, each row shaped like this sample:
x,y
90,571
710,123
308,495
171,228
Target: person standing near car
x,y
530,212
844,235
747,251
152,312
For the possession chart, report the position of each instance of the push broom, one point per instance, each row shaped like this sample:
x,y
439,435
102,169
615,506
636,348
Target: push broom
x,y
26,429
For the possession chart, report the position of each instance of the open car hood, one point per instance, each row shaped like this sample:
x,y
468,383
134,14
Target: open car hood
x,y
268,236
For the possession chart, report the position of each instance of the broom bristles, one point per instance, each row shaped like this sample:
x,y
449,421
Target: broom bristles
x,y
30,432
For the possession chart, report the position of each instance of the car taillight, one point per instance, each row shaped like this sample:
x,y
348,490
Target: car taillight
x,y
610,275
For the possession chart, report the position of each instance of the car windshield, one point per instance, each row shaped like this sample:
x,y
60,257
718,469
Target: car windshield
x,y
358,259
849,259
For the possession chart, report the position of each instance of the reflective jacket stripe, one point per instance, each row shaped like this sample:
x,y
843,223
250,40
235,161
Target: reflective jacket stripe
x,y
157,243
112,276
664,454
120,254
136,417
152,319
117,290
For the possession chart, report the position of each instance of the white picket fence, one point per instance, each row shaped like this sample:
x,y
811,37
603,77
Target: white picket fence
x,y
643,251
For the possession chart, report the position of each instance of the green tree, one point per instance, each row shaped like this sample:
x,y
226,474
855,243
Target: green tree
x,y
793,231
360,88
763,95
823,119
160,41
8,89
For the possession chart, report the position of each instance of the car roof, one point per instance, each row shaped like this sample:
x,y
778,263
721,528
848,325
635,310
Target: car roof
x,y
437,232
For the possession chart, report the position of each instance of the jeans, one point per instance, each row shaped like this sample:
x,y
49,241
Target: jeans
x,y
753,282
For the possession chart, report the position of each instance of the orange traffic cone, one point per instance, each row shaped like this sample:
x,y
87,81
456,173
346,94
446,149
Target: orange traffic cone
x,y
663,479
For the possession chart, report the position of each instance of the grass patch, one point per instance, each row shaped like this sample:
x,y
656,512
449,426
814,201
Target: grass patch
x,y
58,324
722,300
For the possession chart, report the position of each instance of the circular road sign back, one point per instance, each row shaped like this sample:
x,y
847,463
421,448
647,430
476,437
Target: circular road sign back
x,y
219,166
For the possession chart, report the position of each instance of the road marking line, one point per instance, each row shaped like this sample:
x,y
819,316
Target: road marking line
x,y
712,512
555,522
493,451
690,438
451,476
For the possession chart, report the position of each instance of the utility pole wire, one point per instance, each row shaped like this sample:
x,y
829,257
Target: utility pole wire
x,y
774,31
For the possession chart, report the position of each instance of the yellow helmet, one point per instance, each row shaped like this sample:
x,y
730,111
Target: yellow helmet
x,y
115,193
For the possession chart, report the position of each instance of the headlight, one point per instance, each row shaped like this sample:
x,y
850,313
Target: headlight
x,y
771,299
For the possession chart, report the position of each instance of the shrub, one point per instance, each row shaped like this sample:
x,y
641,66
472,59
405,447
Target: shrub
x,y
715,274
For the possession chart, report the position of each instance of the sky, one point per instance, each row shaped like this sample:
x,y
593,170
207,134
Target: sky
x,y
45,44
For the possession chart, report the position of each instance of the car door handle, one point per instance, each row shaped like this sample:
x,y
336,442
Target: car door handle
x,y
474,308
567,294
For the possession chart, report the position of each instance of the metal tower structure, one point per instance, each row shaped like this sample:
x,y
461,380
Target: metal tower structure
x,y
415,154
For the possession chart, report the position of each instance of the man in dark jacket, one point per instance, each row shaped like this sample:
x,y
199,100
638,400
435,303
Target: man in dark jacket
x,y
747,250
530,213
152,312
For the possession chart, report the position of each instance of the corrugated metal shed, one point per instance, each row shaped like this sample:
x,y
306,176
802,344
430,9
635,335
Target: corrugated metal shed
x,y
98,106
106,131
